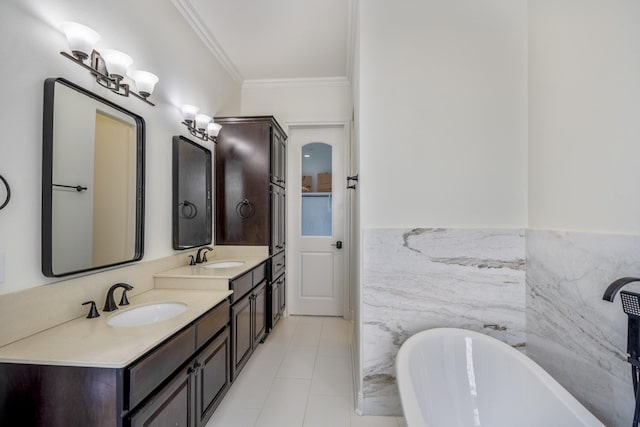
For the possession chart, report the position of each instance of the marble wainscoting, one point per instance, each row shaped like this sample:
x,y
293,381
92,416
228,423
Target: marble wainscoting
x,y
571,332
428,278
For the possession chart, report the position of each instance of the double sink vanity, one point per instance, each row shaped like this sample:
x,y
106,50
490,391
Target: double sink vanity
x,y
167,358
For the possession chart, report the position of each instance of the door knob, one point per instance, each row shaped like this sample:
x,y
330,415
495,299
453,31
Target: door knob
x,y
338,244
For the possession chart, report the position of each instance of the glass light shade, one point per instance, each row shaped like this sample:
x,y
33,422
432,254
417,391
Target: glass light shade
x,y
213,129
117,62
189,112
81,39
202,120
145,81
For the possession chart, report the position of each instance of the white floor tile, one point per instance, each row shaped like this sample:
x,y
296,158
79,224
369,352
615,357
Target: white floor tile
x,y
225,416
332,376
251,388
324,411
286,404
299,362
300,376
369,421
307,331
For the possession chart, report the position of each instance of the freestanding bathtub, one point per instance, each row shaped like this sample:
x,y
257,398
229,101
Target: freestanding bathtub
x,y
457,378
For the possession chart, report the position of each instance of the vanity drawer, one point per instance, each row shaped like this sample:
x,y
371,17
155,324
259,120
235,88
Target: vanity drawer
x,y
209,324
147,374
241,286
259,273
277,265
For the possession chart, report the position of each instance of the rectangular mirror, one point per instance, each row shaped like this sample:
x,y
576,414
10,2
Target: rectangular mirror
x,y
92,182
192,220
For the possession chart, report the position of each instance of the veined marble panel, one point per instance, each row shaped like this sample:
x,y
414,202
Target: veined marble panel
x,y
574,334
427,278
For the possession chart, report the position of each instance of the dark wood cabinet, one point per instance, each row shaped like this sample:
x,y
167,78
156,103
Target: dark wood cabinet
x,y
194,393
277,289
278,155
248,317
171,406
212,371
178,383
250,165
242,337
278,219
259,313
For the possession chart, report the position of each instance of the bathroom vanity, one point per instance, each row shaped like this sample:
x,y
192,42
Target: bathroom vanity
x,y
85,372
248,311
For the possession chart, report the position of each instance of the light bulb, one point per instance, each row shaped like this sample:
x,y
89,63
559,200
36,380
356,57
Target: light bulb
x,y
117,62
81,39
202,120
145,82
189,112
213,129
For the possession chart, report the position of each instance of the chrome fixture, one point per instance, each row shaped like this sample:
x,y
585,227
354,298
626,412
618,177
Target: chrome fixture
x,y
109,66
200,125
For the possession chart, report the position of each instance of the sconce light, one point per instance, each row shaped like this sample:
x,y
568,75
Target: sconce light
x,y
108,66
200,125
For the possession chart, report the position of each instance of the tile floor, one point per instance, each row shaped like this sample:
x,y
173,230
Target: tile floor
x,y
299,377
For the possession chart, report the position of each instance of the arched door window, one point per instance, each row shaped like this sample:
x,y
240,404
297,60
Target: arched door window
x,y
317,203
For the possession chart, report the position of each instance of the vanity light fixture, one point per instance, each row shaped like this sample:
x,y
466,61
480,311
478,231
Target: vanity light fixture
x,y
200,126
109,66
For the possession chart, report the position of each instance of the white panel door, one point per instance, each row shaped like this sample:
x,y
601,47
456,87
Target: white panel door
x,y
316,191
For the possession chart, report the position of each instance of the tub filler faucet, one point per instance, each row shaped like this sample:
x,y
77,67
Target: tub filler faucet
x,y
631,307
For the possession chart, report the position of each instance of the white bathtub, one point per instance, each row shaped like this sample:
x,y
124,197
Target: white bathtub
x,y
456,378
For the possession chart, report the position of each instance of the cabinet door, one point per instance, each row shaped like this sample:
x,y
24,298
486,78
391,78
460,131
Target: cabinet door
x,y
276,206
172,406
242,183
282,297
274,304
283,161
282,216
212,376
278,165
278,219
241,337
259,313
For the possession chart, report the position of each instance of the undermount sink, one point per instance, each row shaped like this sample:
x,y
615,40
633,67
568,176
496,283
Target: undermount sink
x,y
147,314
224,264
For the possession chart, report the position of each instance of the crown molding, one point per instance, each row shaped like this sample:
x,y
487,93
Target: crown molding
x,y
298,82
193,19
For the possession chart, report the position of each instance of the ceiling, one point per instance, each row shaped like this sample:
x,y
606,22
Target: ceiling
x,y
275,39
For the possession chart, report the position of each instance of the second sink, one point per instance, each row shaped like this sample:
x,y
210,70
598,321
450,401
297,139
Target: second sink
x,y
224,264
147,314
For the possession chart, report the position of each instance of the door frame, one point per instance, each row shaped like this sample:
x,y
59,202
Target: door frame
x,y
291,248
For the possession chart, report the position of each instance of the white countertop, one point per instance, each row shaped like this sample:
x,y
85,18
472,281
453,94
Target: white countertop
x,y
201,277
93,343
201,271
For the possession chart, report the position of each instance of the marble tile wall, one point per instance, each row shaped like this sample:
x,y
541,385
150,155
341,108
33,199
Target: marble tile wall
x,y
571,332
426,278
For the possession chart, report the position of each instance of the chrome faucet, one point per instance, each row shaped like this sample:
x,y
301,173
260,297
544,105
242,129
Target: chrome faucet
x,y
201,256
110,303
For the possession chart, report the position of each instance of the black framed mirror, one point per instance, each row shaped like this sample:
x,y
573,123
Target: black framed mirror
x,y
92,181
192,220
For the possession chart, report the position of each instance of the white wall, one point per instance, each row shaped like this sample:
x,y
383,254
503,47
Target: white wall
x,y
583,119
302,101
443,113
157,37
